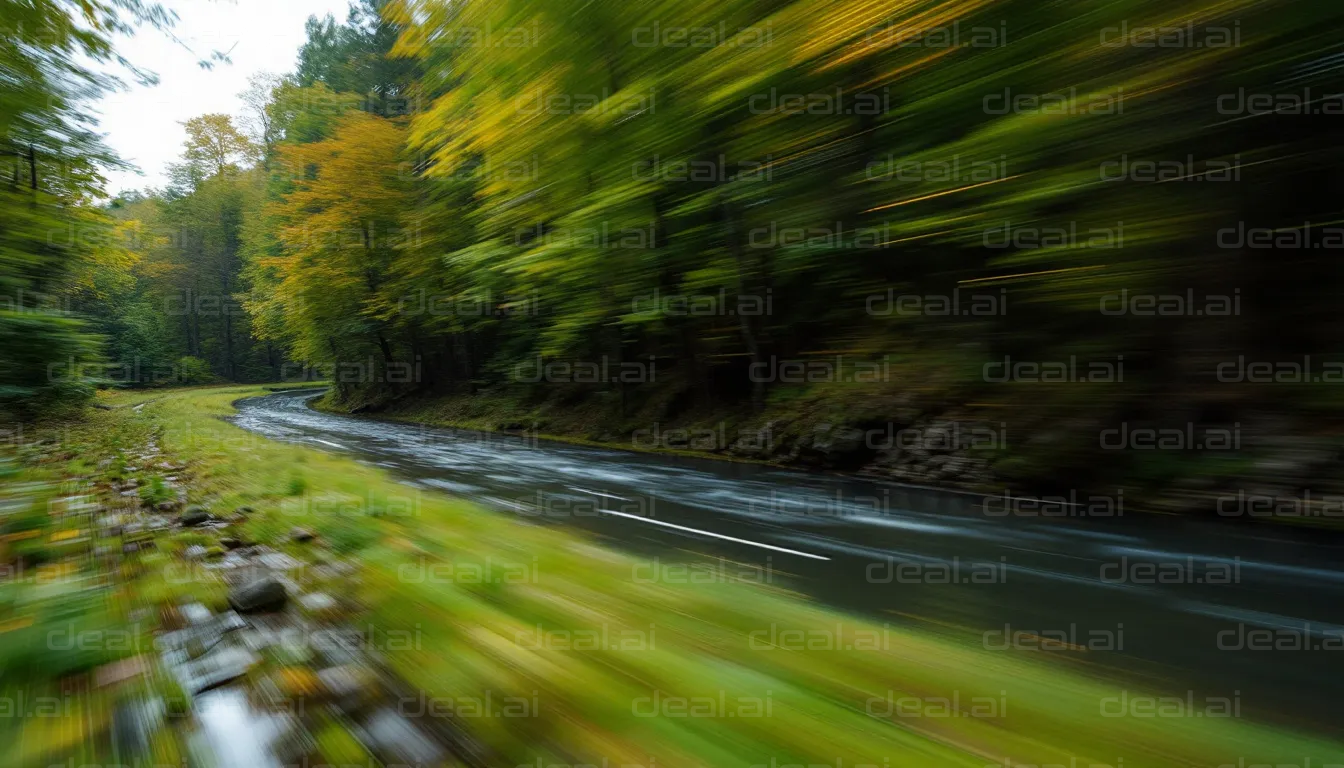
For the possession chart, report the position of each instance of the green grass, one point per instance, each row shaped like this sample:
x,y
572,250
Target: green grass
x,y
459,639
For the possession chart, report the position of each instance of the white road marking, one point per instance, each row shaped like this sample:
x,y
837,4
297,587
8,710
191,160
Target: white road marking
x,y
711,533
598,493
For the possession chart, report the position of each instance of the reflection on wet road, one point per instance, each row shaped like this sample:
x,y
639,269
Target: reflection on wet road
x,y
1161,603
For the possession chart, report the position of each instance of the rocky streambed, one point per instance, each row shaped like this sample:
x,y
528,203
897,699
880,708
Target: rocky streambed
x,y
257,654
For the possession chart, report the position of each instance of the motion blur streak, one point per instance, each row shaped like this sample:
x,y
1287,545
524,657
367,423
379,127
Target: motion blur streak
x,y
758,383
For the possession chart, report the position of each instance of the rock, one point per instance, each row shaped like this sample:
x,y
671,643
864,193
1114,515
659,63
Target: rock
x,y
244,510
215,669
198,644
265,594
166,506
195,552
278,561
353,683
132,726
160,523
300,534
229,621
941,438
840,447
392,734
318,602
194,515
758,444
195,613
230,543
848,439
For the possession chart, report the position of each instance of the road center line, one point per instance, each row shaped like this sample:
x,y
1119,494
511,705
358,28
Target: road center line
x,y
598,493
711,533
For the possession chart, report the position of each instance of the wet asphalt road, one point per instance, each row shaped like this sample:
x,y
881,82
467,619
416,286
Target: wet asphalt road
x,y
1165,604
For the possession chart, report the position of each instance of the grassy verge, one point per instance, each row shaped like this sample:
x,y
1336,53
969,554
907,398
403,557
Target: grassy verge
x,y
544,647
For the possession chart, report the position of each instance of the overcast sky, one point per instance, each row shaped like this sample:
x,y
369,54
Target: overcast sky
x,y
144,123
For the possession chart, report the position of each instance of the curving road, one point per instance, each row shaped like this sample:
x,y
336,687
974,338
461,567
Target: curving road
x,y
1202,609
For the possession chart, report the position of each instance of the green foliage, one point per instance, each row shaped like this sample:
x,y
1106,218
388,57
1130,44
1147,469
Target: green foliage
x,y
50,362
298,484
62,253
193,370
50,159
155,492
177,316
348,534
337,745
351,58
176,702
567,191
214,147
